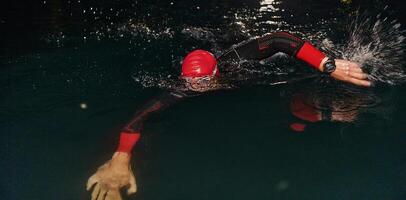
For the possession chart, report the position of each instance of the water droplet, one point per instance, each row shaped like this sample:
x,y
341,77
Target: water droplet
x,y
83,106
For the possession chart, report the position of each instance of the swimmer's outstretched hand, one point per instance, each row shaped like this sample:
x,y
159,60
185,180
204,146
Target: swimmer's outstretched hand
x,y
110,177
350,72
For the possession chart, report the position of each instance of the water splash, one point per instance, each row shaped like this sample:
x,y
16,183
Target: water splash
x,y
140,29
167,81
160,80
200,33
378,44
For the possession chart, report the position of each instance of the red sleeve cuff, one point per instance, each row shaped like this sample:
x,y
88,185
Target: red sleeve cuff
x,y
309,54
127,141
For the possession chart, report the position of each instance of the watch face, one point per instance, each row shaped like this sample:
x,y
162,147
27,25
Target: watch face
x,y
329,67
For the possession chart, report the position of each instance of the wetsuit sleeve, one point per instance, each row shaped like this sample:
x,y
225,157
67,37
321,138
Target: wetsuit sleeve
x,y
132,131
270,44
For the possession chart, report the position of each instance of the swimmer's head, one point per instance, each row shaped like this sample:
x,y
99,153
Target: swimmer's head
x,y
199,71
199,63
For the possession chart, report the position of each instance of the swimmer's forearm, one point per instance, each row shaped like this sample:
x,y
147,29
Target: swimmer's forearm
x,y
130,135
312,56
131,132
270,44
321,65
128,141
293,46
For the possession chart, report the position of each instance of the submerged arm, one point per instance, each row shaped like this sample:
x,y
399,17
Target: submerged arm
x,y
117,173
131,132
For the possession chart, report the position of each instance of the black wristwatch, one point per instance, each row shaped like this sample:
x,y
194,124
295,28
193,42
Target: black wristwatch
x,y
329,66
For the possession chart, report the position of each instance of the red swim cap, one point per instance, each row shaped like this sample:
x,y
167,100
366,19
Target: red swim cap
x,y
199,63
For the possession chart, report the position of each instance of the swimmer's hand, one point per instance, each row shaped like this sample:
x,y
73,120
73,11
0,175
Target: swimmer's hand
x,y
110,177
349,72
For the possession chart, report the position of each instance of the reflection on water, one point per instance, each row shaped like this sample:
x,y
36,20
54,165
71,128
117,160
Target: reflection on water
x,y
267,18
339,103
269,6
323,105
270,9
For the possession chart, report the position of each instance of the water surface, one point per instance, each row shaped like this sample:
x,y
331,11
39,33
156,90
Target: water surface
x,y
73,73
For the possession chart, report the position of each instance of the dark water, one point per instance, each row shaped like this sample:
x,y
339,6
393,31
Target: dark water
x,y
233,144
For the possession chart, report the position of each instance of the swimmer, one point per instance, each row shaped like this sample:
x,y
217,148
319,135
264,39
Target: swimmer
x,y
201,70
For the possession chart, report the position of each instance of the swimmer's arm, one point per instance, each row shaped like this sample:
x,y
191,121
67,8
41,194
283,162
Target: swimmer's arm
x,y
131,132
270,44
345,71
117,173
264,47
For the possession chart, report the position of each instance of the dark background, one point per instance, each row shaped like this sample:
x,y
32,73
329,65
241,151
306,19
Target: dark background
x,y
225,145
22,23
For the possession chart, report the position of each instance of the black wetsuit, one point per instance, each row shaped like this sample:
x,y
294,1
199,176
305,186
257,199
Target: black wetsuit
x,y
254,49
